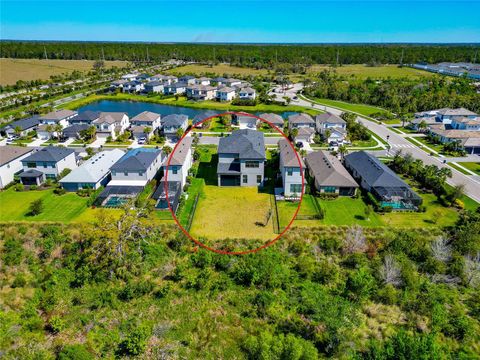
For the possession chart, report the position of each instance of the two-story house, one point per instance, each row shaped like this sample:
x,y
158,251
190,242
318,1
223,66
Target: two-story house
x,y
187,79
273,119
144,124
85,117
446,116
22,127
303,125
47,163
49,122
332,127
225,93
180,162
133,86
11,162
247,93
172,123
202,81
466,124
177,88
200,92
291,169
111,124
241,159
153,87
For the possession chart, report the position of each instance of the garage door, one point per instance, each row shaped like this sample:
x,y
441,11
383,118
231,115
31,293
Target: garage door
x,y
230,180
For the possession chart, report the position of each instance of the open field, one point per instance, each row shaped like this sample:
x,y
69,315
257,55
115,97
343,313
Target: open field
x,y
220,70
225,212
361,71
13,70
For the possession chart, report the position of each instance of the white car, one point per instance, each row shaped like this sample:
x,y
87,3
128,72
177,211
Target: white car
x,y
142,141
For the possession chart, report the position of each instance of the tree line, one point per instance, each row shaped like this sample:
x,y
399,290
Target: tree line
x,y
250,55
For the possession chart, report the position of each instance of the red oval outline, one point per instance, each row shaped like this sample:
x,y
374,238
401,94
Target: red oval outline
x,y
224,252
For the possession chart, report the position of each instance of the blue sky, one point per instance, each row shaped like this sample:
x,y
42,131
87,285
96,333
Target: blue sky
x,y
242,21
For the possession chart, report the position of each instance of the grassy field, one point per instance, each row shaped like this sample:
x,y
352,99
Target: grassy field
x,y
35,69
219,70
225,212
361,71
362,109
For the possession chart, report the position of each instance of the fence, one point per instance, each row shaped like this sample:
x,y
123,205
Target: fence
x,y
275,220
192,213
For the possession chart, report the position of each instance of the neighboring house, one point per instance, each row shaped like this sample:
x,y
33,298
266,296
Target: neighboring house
x,y
297,121
143,77
305,134
328,174
247,93
466,124
181,161
273,119
415,123
142,121
153,87
74,131
331,127
187,79
171,124
290,169
164,79
232,82
117,84
446,116
241,159
202,81
219,81
43,133
11,162
111,124
137,167
129,77
200,92
177,88
245,121
61,117
85,117
225,93
469,139
202,116
47,163
376,177
24,125
133,86
93,173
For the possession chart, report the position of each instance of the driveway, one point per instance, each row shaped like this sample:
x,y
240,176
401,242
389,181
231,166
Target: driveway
x,y
98,143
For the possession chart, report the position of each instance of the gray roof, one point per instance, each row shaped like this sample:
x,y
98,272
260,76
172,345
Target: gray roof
x,y
49,153
300,119
288,154
248,144
10,153
203,115
95,168
153,83
329,118
58,115
247,90
176,120
456,112
328,171
180,154
275,119
225,89
31,173
138,159
110,117
177,85
374,172
186,77
145,116
74,130
87,116
25,124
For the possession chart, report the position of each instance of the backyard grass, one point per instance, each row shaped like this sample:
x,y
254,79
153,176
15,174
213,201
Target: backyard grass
x,y
225,212
35,69
360,71
218,70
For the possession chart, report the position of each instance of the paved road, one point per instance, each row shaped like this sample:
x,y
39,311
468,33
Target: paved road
x,y
397,142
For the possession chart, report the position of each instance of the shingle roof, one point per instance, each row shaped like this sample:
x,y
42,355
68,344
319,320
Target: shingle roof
x,y
456,112
95,168
225,89
145,116
329,118
247,90
110,117
26,123
174,120
73,130
203,115
87,116
287,154
180,154
31,173
153,83
58,115
49,153
273,118
138,159
300,119
9,153
248,144
328,171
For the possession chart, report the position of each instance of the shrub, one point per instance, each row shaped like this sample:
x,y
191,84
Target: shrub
x,y
19,187
59,190
36,207
74,352
55,324
387,209
135,343
422,208
64,173
33,187
19,281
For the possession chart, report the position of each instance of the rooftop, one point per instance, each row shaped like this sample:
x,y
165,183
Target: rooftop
x,y
178,156
10,153
138,159
146,116
288,154
49,153
328,170
300,119
248,144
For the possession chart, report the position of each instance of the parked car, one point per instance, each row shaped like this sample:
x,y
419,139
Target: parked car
x,y
142,140
299,144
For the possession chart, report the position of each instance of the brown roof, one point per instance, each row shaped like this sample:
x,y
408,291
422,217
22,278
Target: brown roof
x,y
456,112
146,116
300,119
9,153
58,115
273,118
180,153
328,170
109,117
329,118
287,154
457,134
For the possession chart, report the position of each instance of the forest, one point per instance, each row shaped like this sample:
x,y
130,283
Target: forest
x,y
125,288
246,55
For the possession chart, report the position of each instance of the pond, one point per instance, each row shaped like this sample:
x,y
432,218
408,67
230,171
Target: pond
x,y
133,108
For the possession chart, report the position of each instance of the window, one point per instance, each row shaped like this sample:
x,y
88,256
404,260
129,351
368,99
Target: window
x,y
252,164
114,173
45,164
259,179
296,188
289,172
140,173
330,189
245,179
31,165
174,171
125,173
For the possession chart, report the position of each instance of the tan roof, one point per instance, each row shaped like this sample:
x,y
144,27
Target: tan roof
x,y
109,117
225,89
9,153
457,134
468,121
146,116
58,115
273,118
288,155
470,142
300,119
456,112
136,129
328,170
180,153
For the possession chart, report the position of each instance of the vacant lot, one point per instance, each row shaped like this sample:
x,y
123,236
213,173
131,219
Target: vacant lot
x,y
219,70
232,212
12,70
361,71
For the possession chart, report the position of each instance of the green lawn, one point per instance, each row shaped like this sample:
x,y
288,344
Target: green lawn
x,y
437,147
360,71
472,166
362,109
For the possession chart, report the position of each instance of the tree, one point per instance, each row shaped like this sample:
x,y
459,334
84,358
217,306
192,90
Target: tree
x,y
147,130
390,271
36,207
472,269
88,134
99,65
167,149
59,130
294,133
343,150
441,250
355,241
17,130
179,133
49,129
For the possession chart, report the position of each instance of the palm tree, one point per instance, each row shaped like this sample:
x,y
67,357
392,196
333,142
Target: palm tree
x,y
58,129
422,126
17,130
343,150
49,129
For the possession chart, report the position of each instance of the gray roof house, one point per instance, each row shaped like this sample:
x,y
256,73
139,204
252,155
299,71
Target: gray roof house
x,y
85,117
144,121
328,174
241,158
58,117
245,121
291,169
296,121
175,88
202,116
329,121
376,177
171,123
93,173
25,125
153,87
274,119
74,131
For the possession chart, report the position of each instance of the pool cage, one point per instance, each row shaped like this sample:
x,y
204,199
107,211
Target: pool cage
x,y
117,196
174,193
397,197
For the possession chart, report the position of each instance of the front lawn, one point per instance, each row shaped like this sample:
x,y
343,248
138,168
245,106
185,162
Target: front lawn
x,y
472,166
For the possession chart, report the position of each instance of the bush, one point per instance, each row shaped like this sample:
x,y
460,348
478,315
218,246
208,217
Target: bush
x,y
64,173
422,208
55,324
135,343
74,352
36,207
387,209
328,196
59,190
19,281
33,187
19,187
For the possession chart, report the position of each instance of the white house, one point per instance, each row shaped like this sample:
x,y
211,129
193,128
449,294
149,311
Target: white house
x,y
200,92
133,86
187,79
181,161
58,117
175,88
225,93
111,124
305,126
247,93
153,87
231,82
290,169
24,125
332,127
142,121
11,162
93,173
46,163
202,81
171,123
245,121
129,77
